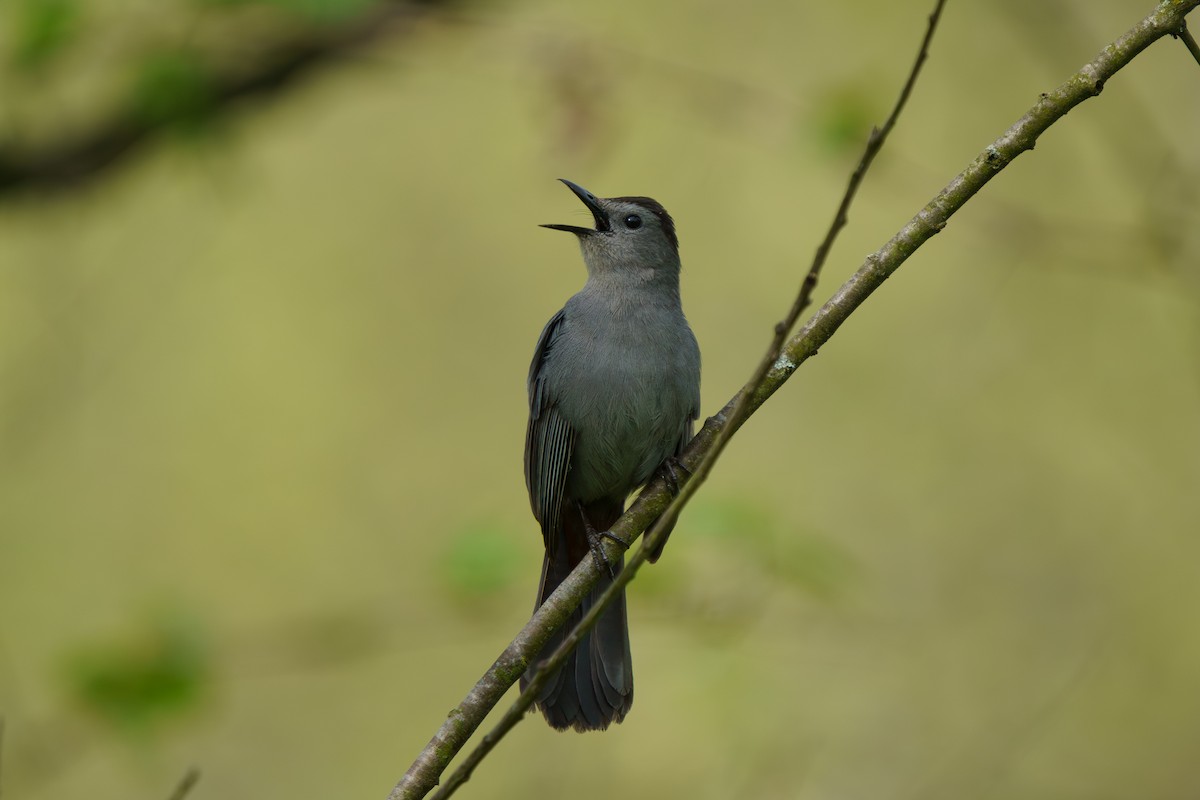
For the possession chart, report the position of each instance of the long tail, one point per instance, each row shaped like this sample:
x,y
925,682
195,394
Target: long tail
x,y
594,687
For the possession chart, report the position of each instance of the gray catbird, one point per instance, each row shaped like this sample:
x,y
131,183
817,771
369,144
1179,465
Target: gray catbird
x,y
614,389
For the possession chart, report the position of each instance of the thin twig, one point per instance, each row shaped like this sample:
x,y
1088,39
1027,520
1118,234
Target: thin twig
x,y
666,520
186,784
1189,41
804,298
1088,82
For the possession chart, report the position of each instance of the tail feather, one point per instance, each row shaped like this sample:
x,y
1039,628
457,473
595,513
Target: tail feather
x,y
594,686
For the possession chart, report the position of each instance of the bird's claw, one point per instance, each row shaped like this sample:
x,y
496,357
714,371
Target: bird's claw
x,y
594,544
671,469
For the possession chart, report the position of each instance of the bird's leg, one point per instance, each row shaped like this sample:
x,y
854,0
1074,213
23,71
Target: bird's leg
x,y
671,469
593,540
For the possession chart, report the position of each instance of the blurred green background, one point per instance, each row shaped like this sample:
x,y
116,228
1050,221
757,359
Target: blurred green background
x,y
262,401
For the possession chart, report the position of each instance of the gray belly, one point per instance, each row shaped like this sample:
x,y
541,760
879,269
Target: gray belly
x,y
627,418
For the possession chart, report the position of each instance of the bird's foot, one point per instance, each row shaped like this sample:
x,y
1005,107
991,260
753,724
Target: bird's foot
x,y
671,470
594,538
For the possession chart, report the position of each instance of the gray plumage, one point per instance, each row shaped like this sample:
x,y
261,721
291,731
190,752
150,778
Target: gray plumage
x,y
614,389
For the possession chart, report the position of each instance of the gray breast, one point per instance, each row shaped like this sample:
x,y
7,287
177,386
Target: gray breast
x,y
627,382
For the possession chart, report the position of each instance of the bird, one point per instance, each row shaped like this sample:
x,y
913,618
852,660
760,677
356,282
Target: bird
x,y
614,393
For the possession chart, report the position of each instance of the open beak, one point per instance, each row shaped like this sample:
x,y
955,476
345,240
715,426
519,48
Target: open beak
x,y
593,205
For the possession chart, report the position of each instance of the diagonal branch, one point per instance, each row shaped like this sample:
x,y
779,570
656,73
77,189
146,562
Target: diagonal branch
x,y
1052,106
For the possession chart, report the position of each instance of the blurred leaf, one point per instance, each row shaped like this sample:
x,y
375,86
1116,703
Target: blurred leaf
x,y
133,684
813,563
709,524
808,561
731,518
175,88
44,28
844,118
480,561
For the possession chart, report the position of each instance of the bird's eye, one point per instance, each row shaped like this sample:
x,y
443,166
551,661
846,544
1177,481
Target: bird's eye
x,y
633,221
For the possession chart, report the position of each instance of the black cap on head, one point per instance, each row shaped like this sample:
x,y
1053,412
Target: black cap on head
x,y
664,219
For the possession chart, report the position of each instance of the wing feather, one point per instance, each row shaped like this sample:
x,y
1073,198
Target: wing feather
x,y
549,440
